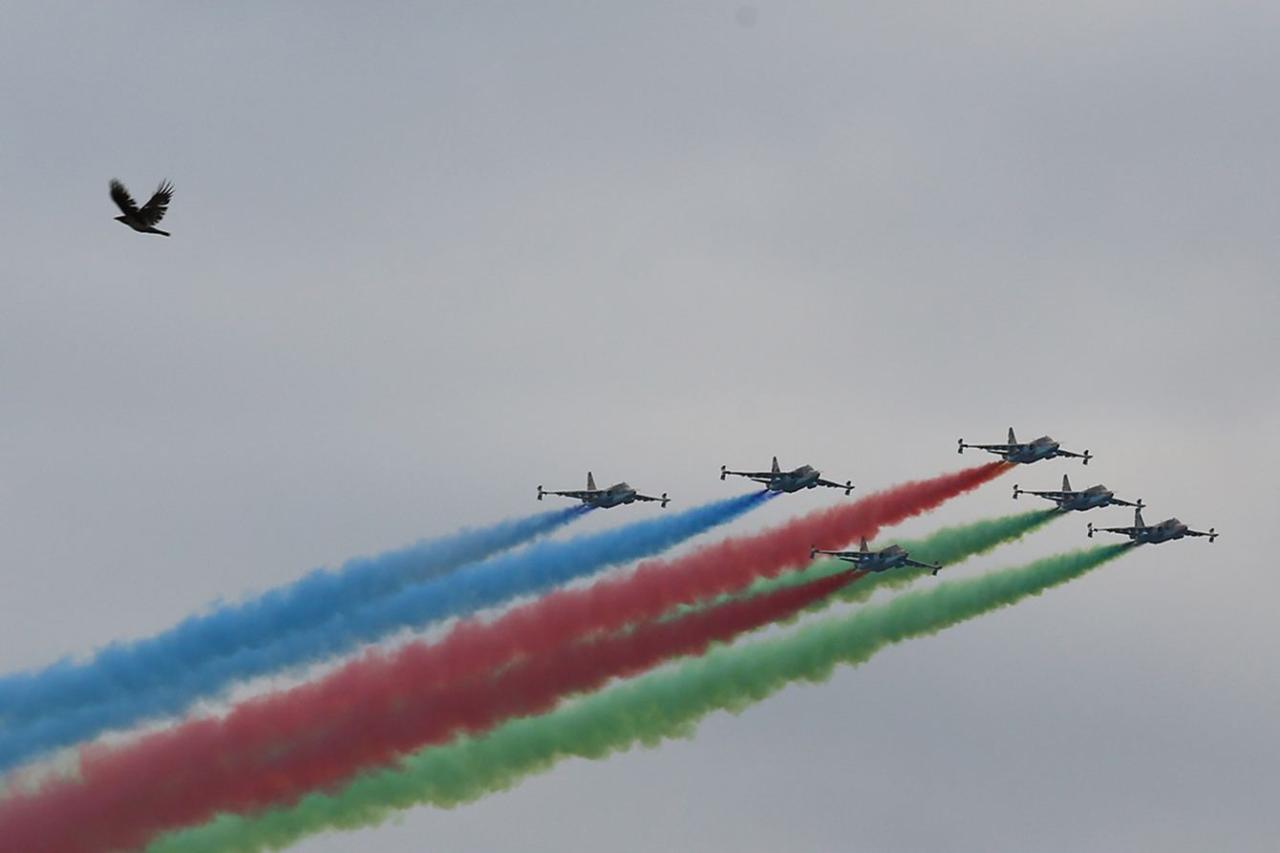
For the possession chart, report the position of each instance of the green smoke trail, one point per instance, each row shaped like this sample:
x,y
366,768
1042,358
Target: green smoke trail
x,y
646,710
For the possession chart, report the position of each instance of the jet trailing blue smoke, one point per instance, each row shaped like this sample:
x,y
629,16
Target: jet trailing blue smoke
x,y
170,683
27,698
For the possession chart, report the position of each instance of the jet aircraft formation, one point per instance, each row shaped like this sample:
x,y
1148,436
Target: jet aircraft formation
x,y
895,556
1099,495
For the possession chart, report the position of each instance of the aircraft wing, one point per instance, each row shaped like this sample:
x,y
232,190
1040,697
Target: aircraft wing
x,y
994,448
1212,534
578,494
768,475
848,487
664,500
1119,502
1086,456
1053,496
854,557
916,564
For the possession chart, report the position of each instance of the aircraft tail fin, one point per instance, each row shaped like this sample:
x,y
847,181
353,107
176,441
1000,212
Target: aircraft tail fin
x,y
1012,439
1137,518
591,482
863,547
1066,483
776,468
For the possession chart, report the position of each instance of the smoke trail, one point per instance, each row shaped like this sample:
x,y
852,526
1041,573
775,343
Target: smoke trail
x,y
645,711
948,546
542,626
174,779
182,672
302,604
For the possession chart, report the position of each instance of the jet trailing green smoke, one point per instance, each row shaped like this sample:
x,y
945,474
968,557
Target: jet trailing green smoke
x,y
947,546
646,710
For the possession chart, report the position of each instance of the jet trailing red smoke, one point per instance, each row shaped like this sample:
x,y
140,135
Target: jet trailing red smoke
x,y
185,776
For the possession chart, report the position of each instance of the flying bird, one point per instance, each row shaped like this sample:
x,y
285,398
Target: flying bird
x,y
142,219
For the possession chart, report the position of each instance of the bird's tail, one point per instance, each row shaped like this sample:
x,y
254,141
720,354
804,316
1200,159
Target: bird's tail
x,y
162,233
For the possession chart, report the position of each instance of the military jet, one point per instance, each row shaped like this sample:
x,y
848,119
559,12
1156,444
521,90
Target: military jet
x,y
892,557
1153,534
615,495
777,480
1067,500
1014,451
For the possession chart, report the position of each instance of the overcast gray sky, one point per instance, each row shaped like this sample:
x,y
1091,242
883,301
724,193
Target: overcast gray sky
x,y
426,256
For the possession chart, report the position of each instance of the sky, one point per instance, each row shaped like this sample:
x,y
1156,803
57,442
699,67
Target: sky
x,y
428,256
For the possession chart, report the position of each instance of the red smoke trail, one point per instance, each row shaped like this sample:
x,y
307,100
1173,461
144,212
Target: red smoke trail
x,y
163,782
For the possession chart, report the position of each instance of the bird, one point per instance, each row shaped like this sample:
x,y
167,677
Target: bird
x,y
142,219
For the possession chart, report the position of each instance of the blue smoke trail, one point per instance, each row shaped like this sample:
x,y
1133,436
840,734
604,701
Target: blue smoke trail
x,y
172,683
305,603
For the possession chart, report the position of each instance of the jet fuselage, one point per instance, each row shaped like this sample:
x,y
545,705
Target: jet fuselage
x,y
888,558
1165,531
616,495
804,477
1042,448
1091,498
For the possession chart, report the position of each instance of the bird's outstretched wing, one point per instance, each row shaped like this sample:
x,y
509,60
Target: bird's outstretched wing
x,y
154,210
123,200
